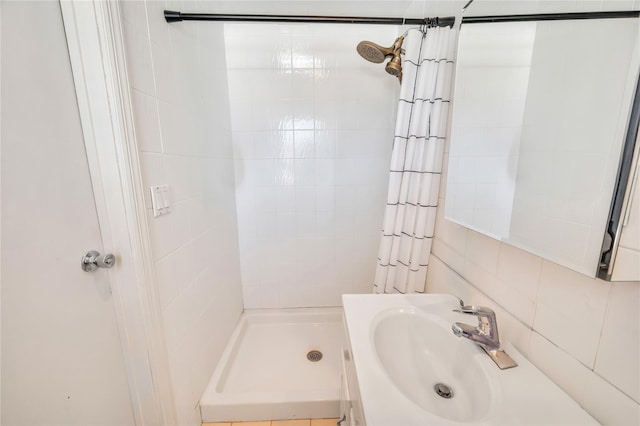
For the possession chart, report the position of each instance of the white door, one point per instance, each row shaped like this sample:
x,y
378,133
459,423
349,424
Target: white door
x,y
62,362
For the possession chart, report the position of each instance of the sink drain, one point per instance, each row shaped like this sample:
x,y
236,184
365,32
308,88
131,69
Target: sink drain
x,y
314,356
443,390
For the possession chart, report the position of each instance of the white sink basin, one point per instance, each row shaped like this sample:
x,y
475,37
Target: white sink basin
x,y
433,356
402,347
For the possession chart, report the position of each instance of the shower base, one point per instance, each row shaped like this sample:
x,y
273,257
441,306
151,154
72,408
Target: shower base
x,y
265,373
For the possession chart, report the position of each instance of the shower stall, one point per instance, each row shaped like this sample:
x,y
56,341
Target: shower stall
x,y
275,152
311,123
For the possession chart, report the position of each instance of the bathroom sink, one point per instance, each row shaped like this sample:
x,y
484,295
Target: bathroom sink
x,y
411,370
437,371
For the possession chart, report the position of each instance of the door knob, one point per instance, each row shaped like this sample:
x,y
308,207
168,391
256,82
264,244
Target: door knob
x,y
93,260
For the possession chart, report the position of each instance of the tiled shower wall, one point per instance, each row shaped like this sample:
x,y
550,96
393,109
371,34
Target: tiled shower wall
x,y
312,131
184,137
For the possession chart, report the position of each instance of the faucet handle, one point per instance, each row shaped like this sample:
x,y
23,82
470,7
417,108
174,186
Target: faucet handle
x,y
487,323
475,310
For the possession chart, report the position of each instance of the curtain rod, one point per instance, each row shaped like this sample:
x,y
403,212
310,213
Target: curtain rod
x,y
173,16
551,16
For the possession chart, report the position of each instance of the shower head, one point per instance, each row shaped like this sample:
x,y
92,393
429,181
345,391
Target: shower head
x,y
394,67
373,52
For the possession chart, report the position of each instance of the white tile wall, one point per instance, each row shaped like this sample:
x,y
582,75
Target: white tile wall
x,y
582,332
617,360
312,130
180,100
570,311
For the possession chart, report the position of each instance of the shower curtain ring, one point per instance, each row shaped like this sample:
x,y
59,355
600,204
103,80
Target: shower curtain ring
x,y
431,23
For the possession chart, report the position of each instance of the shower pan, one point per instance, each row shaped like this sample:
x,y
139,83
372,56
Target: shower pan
x,y
279,364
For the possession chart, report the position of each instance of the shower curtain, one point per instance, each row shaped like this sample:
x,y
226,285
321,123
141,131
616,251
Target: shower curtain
x,y
416,160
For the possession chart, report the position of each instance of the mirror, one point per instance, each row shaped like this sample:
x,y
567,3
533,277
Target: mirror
x,y
540,115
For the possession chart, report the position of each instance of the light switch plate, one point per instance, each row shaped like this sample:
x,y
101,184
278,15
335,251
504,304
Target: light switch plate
x,y
160,200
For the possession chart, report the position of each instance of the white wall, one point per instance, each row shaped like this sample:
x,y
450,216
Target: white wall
x,y
179,84
312,130
62,362
583,333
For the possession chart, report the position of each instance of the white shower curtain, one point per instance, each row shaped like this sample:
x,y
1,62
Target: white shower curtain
x,y
416,160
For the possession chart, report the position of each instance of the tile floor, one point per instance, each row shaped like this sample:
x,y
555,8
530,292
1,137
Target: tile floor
x,y
297,422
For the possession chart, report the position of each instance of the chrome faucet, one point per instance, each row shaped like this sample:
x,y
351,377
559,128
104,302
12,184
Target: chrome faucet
x,y
484,335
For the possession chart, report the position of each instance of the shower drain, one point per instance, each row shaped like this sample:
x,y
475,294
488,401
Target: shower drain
x,y
443,390
314,356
